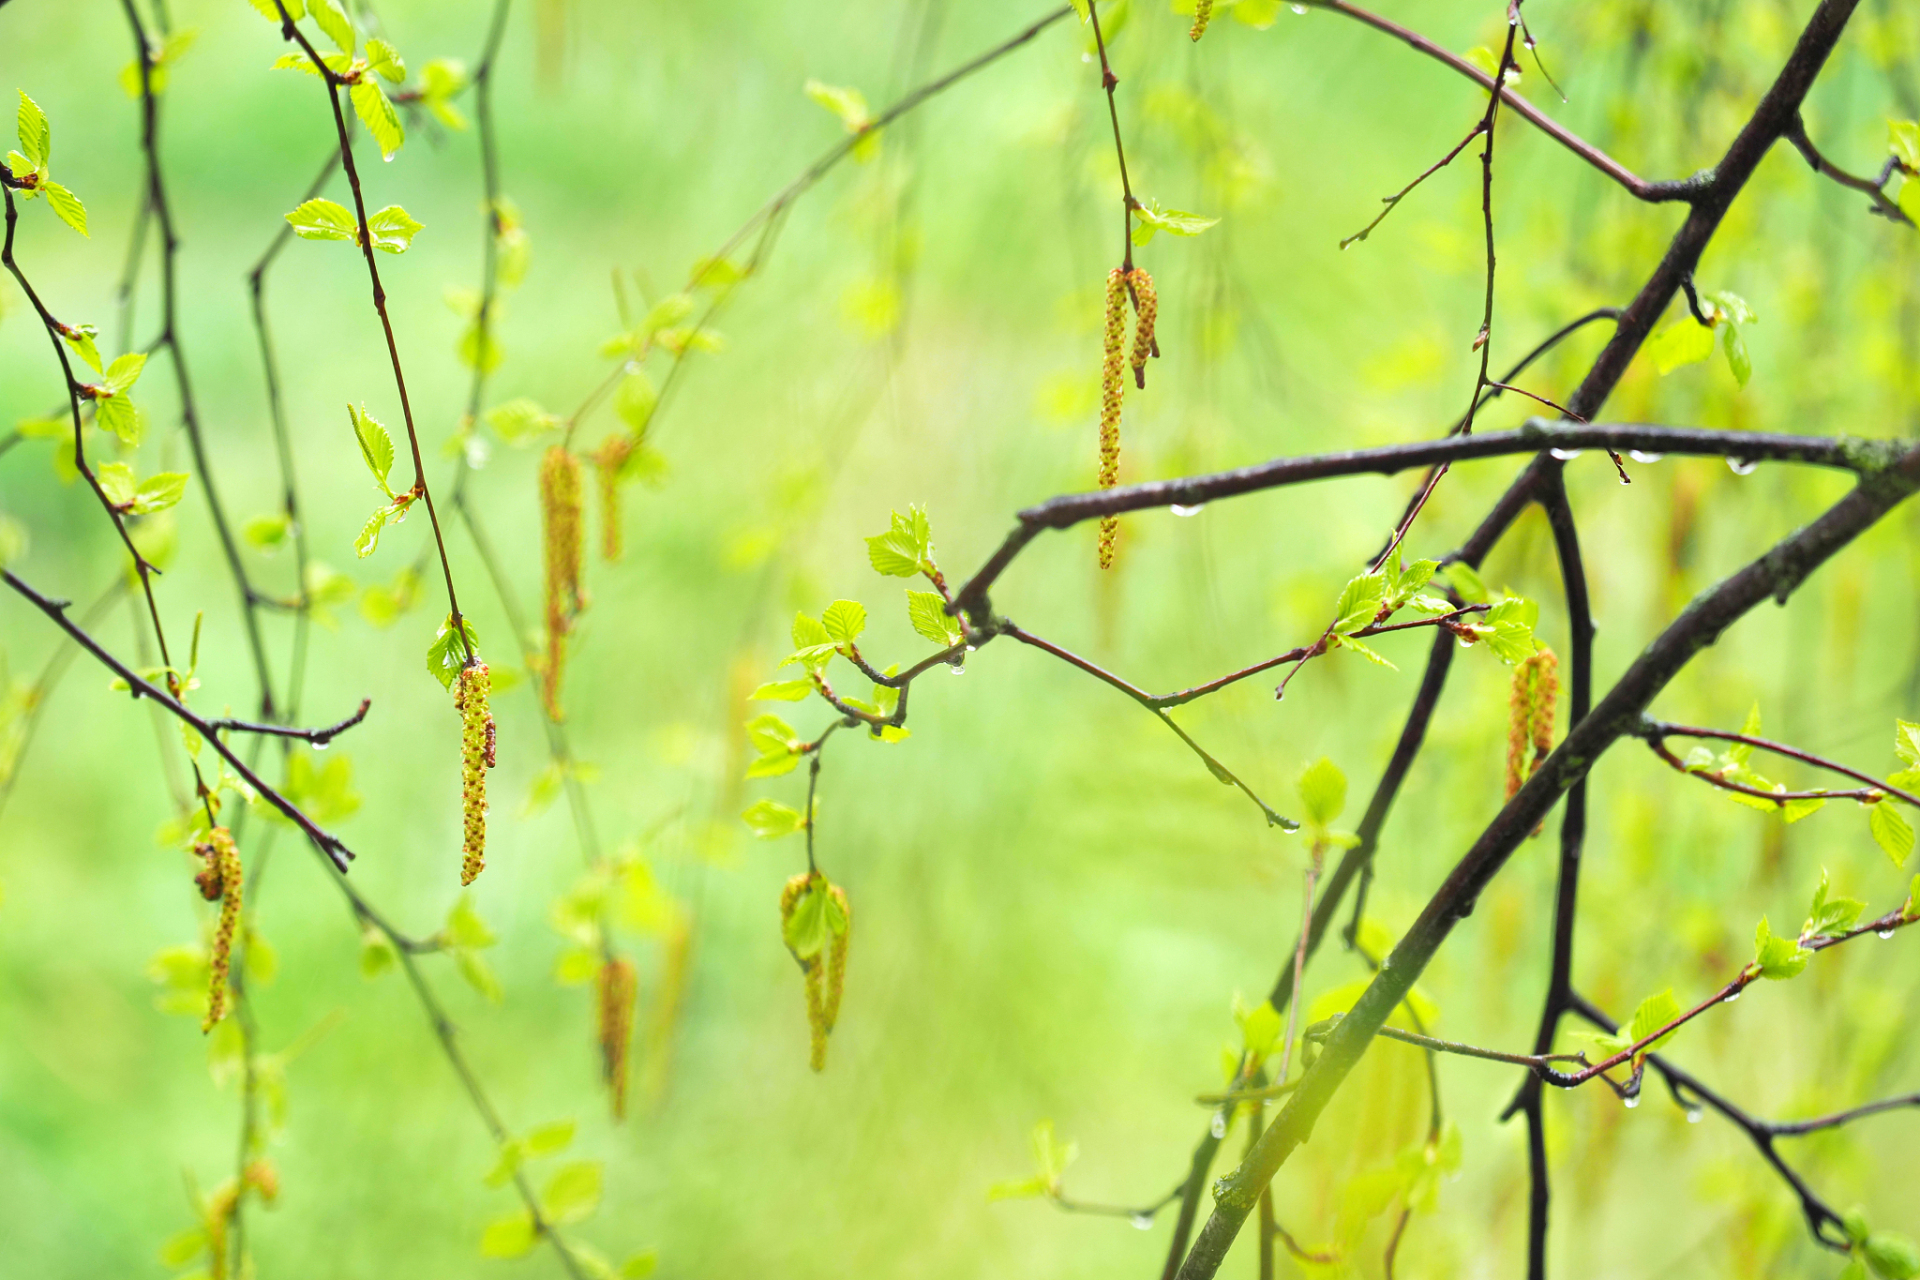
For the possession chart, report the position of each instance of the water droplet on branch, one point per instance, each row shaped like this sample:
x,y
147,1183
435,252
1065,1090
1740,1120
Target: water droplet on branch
x,y
1141,1221
1193,510
1641,455
1742,466
1219,1126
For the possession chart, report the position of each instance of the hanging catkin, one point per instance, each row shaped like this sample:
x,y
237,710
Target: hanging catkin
x,y
608,460
837,962
560,529
470,690
1530,711
616,987
219,881
1112,369
1144,302
1202,14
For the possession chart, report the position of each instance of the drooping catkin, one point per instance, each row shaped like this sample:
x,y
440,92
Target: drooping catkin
x,y
560,533
837,961
470,690
616,987
1147,304
1536,689
219,881
1202,14
1546,695
1112,389
608,460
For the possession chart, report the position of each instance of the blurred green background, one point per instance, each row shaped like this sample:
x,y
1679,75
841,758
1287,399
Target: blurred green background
x,y
1056,905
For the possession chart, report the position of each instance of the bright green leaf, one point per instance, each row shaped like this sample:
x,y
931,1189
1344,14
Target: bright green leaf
x,y
573,1194
1891,830
509,1237
1685,341
392,229
320,219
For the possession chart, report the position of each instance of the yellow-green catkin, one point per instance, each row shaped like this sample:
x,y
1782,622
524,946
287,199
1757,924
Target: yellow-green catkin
x,y
470,690
1147,305
219,881
616,988
1112,389
608,460
812,970
1536,691
1546,696
837,960
560,535
1202,14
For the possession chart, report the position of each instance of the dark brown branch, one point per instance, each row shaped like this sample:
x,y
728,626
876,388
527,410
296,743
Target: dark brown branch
x,y
1655,731
1844,453
1775,575
335,849
1640,188
332,83
1874,190
313,737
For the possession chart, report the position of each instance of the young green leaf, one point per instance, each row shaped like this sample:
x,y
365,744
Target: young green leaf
x,y
1891,830
510,1237
36,138
782,691
392,229
521,420
1906,742
116,481
447,655
1360,602
927,611
850,105
1778,958
1737,358
1903,140
369,540
370,103
376,446
844,620
67,205
333,21
1467,583
1830,916
1323,792
769,819
81,338
124,372
158,492
816,918
906,548
1685,341
1175,222
320,219
386,60
440,81
1654,1012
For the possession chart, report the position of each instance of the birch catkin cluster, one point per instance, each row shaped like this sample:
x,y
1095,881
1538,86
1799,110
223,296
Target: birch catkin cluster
x,y
1113,364
614,990
1536,690
823,959
470,693
560,511
608,461
219,881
